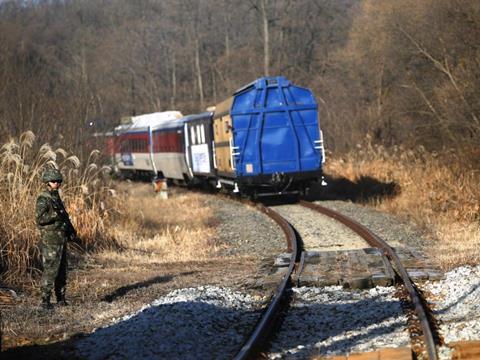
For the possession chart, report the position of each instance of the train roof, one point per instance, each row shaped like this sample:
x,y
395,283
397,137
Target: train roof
x,y
265,81
193,117
158,120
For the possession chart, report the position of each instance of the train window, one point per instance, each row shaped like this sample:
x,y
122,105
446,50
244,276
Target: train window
x,y
192,134
135,145
199,138
202,133
123,146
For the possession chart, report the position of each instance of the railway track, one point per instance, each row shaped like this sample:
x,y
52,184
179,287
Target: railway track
x,y
262,331
297,260
421,310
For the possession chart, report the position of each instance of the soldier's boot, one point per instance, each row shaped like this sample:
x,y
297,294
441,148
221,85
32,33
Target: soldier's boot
x,y
46,304
61,299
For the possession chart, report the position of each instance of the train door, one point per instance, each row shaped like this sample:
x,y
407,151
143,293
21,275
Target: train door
x,y
198,134
223,140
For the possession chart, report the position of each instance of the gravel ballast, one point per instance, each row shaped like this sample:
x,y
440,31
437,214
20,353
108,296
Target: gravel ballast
x,y
320,232
456,303
245,230
331,321
194,323
394,231
212,322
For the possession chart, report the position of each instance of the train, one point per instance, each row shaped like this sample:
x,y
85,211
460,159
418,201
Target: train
x,y
264,139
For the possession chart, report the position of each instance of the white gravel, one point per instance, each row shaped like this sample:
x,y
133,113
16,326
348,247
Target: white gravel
x,y
194,323
332,321
456,300
320,232
211,322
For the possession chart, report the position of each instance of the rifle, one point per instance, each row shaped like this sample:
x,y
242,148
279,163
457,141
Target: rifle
x,y
71,231
62,213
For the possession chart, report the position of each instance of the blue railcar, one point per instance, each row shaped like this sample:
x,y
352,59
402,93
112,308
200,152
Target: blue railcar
x,y
267,138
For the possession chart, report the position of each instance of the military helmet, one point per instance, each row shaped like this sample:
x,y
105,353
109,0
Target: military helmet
x,y
52,175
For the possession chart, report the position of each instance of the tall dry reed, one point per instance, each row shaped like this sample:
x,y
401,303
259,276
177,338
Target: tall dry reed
x,y
438,191
84,191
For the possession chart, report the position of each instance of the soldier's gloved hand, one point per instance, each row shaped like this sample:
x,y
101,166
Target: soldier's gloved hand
x,y
74,238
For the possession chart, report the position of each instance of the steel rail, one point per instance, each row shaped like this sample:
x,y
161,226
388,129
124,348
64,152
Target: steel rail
x,y
260,333
376,241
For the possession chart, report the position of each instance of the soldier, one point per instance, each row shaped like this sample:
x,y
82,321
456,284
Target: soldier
x,y
55,229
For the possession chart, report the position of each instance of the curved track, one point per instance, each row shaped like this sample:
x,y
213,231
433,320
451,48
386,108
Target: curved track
x,y
261,332
377,242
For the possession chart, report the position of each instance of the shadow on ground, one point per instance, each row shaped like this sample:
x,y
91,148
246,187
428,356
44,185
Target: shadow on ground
x,y
181,330
365,189
121,291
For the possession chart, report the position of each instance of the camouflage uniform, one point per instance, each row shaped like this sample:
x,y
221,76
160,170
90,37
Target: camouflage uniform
x,y
54,224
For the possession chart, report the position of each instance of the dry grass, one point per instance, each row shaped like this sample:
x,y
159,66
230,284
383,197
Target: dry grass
x,y
177,229
440,192
85,191
128,224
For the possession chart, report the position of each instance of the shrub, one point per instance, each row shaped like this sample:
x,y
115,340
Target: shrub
x,y
85,193
438,191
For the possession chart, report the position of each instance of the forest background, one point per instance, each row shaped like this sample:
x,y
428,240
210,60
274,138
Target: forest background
x,y
397,83
401,72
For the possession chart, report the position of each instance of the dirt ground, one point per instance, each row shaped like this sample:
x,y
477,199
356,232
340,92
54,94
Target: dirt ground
x,y
175,245
100,292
